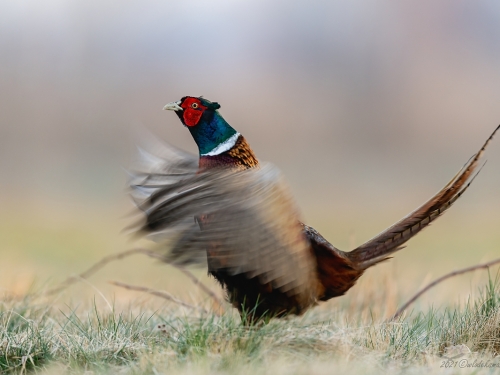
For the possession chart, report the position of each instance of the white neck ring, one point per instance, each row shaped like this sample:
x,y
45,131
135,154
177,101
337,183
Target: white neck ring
x,y
224,146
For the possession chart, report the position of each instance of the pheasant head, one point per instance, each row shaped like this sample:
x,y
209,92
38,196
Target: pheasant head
x,y
218,143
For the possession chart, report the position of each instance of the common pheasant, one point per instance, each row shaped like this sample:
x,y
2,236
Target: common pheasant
x,y
236,214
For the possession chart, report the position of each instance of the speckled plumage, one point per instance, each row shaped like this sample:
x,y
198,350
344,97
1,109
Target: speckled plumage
x,y
240,156
248,228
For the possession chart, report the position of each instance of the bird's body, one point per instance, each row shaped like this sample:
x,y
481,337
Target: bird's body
x,y
239,216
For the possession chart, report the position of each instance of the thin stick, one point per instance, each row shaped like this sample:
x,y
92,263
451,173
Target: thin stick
x,y
110,258
442,278
93,269
186,272
157,293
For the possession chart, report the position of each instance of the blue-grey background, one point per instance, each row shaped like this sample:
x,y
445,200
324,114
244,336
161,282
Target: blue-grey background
x,y
369,107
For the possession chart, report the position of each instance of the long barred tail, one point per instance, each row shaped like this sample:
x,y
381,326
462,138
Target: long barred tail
x,y
390,240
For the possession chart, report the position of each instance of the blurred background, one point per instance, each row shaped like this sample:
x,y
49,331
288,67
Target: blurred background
x,y
369,108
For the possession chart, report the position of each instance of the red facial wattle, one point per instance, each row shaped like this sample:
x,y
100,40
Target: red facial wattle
x,y
193,109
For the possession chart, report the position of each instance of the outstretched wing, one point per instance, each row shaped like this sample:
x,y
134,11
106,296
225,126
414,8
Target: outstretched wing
x,y
390,240
246,220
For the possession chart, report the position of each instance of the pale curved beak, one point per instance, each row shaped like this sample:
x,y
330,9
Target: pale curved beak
x,y
174,106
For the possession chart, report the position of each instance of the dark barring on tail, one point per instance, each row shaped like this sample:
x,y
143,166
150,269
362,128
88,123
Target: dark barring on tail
x,y
235,214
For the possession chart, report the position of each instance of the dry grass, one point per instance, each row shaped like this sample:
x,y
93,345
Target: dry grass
x,y
38,334
117,330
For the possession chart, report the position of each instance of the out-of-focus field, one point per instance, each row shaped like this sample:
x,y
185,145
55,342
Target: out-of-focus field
x,y
368,108
53,244
38,333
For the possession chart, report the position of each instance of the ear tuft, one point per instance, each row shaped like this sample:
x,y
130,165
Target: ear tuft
x,y
207,103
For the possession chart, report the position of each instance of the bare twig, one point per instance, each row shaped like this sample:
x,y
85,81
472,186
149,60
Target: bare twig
x,y
157,293
110,258
89,272
442,278
186,272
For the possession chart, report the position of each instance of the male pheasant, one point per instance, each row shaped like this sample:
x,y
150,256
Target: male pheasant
x,y
236,214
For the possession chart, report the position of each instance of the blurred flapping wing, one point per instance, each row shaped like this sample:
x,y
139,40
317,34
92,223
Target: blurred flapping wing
x,y
245,222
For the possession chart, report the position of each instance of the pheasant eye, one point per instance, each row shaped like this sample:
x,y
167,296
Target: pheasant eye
x,y
194,105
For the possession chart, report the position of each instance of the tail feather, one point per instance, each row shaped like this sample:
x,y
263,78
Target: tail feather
x,y
390,240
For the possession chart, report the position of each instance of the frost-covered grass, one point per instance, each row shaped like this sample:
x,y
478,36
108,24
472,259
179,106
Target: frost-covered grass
x,y
36,336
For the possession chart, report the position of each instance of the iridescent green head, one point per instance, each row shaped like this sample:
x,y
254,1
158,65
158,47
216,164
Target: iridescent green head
x,y
210,131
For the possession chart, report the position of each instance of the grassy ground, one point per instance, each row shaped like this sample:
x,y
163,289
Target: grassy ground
x,y
117,330
42,336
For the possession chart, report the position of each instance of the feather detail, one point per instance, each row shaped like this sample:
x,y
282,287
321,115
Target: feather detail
x,y
240,156
390,240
